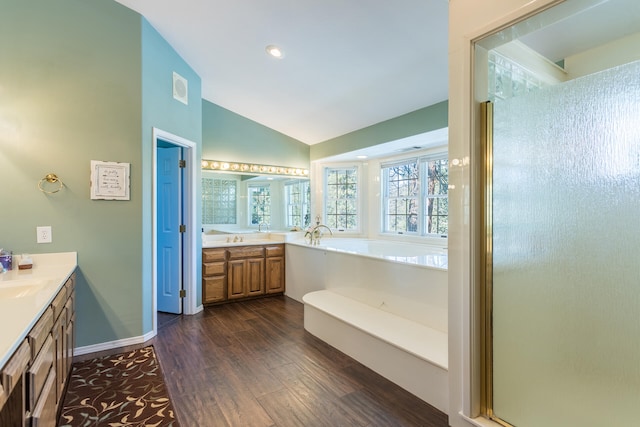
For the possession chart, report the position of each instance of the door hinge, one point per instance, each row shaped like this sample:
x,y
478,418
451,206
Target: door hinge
x,y
183,228
182,164
183,293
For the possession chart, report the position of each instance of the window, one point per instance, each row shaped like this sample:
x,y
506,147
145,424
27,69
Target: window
x,y
297,196
260,204
436,214
401,197
218,201
415,196
341,198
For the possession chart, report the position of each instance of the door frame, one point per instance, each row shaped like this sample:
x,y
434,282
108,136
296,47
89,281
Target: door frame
x,y
189,255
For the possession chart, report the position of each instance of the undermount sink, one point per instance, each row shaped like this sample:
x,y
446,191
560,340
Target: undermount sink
x,y
20,288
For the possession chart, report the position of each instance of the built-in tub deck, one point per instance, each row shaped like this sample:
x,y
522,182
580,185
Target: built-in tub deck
x,y
383,303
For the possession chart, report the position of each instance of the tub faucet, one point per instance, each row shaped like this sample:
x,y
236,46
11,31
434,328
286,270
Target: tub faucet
x,y
314,233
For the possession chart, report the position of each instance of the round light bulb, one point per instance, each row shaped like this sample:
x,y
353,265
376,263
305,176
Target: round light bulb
x,y
275,51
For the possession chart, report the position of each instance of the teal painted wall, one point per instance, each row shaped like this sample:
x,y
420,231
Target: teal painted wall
x,y
70,92
162,111
231,137
420,121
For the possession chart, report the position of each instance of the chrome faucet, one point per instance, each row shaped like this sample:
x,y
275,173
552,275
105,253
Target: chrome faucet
x,y
260,226
315,234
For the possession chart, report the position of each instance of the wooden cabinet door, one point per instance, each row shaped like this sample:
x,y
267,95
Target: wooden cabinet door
x,y
70,342
214,289
255,276
44,414
236,279
275,275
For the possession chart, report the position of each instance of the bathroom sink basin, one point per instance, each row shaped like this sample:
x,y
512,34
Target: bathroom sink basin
x,y
20,288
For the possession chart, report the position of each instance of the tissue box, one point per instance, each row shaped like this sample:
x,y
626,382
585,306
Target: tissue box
x,y
25,262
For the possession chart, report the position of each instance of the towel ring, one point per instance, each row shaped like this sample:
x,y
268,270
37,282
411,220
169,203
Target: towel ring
x,y
51,178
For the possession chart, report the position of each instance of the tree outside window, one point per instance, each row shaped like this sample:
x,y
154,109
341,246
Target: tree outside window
x,y
436,198
402,197
415,196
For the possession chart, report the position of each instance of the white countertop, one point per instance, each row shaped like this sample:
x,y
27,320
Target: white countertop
x,y
246,239
25,295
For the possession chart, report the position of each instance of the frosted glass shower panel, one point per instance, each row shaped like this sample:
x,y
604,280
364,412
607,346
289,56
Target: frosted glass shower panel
x,y
566,241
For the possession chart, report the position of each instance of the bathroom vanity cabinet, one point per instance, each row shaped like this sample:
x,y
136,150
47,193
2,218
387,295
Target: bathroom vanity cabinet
x,y
34,378
238,272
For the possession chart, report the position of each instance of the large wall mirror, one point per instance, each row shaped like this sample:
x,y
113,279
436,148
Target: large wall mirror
x,y
240,202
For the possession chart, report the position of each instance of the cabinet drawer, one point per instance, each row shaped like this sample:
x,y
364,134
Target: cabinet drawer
x,y
44,413
70,284
218,254
59,302
276,250
246,252
40,332
37,373
213,268
14,368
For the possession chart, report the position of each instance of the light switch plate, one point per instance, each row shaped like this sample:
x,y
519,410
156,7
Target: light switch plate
x,y
43,234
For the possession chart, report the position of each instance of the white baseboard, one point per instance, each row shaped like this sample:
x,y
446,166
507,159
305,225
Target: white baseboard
x,y
78,351
197,310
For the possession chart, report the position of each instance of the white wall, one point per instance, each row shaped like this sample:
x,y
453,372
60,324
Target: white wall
x,y
468,20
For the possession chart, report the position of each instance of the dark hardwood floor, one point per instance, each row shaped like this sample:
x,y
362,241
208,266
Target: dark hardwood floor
x,y
252,364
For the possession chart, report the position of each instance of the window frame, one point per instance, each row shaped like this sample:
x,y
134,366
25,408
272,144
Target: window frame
x,y
250,203
356,201
421,195
386,198
304,204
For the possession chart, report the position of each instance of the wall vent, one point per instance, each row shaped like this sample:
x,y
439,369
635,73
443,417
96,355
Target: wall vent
x,y
407,149
180,88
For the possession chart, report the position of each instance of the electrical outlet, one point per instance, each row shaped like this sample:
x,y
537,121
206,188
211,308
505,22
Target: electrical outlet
x,y
43,234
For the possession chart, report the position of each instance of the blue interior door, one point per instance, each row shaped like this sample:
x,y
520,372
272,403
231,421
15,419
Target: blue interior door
x,y
169,238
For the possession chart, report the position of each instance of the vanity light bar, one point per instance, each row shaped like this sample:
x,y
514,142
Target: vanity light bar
x,y
218,165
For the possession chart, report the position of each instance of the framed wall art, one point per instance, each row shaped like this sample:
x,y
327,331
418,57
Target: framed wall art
x,y
110,180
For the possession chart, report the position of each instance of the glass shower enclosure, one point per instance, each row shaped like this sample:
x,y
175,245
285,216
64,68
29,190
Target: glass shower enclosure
x,y
566,253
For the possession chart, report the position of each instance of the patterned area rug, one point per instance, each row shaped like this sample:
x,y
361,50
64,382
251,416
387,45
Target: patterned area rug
x,y
125,389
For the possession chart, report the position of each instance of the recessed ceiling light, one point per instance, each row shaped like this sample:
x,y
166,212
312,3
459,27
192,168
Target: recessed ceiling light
x,y
275,51
361,157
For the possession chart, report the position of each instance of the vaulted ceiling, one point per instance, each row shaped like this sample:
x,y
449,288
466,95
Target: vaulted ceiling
x,y
346,64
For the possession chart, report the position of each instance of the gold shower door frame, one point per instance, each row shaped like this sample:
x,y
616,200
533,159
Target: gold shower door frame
x,y
486,290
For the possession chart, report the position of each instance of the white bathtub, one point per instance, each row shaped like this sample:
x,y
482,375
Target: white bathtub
x,y
372,300
407,253
372,271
